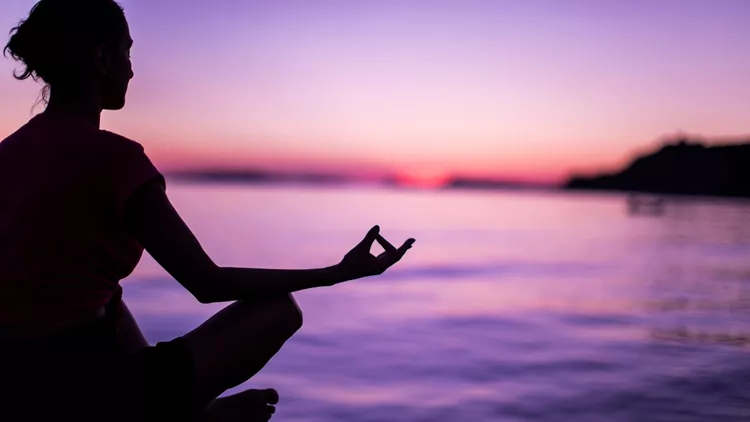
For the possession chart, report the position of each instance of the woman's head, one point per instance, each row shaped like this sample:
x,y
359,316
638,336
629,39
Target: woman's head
x,y
76,47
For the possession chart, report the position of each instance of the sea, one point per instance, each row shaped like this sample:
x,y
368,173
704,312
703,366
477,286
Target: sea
x,y
511,306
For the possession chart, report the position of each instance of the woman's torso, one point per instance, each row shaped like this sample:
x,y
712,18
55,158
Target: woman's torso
x,y
64,246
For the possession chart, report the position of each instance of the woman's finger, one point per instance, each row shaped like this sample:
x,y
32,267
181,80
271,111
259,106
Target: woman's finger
x,y
406,246
370,237
385,244
392,256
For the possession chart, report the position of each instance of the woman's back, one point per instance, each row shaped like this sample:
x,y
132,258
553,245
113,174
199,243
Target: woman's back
x,y
63,245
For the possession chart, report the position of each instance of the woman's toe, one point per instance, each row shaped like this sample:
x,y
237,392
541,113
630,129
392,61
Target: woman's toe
x,y
272,396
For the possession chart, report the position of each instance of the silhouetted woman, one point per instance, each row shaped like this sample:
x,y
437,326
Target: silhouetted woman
x,y
78,205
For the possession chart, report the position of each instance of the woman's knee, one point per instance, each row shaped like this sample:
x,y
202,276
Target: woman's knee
x,y
281,311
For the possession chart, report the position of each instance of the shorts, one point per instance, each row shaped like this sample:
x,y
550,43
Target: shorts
x,y
84,376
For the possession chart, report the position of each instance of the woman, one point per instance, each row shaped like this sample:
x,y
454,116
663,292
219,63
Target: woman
x,y
78,205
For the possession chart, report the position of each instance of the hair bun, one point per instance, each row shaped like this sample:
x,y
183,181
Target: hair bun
x,y
51,42
21,48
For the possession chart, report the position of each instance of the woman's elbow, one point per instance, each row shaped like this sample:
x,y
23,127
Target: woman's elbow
x,y
202,286
204,298
205,293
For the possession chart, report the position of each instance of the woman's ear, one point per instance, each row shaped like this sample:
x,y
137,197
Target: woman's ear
x,y
103,60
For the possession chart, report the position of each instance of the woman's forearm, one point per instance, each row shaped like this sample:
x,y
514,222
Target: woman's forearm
x,y
225,284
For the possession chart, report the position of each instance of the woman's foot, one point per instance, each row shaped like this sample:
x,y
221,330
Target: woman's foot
x,y
247,406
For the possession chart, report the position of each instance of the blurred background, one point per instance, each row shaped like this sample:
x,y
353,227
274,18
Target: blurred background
x,y
574,172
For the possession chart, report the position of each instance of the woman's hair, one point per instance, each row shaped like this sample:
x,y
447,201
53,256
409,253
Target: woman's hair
x,y
57,41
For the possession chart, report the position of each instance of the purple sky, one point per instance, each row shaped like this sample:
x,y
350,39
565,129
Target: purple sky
x,y
524,88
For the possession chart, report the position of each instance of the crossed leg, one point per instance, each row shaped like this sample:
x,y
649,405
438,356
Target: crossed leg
x,y
228,349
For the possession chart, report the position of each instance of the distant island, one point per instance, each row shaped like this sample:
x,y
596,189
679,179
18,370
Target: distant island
x,y
461,182
681,167
256,176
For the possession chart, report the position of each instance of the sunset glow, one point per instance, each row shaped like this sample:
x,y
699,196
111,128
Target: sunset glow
x,y
421,89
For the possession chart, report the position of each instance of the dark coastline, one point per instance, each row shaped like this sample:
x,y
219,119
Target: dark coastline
x,y
684,167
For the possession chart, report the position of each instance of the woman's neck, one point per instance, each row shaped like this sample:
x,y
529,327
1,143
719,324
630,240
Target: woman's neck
x,y
83,105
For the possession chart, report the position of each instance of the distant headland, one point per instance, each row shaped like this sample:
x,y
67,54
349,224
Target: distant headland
x,y
683,166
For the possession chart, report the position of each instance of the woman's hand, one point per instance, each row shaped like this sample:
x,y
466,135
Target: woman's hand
x,y
359,262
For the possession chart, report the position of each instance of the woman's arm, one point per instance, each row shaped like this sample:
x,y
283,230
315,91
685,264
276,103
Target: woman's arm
x,y
163,233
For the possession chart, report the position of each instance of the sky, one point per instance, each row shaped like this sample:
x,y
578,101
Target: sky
x,y
523,89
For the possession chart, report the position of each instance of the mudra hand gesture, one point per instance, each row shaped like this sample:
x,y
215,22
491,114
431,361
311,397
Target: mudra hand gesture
x,y
359,262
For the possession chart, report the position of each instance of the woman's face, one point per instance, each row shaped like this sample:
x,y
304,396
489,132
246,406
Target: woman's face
x,y
119,72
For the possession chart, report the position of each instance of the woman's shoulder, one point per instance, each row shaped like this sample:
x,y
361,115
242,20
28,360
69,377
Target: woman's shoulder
x,y
114,149
116,141
51,130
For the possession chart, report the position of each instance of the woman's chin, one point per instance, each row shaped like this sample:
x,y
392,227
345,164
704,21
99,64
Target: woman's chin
x,y
113,105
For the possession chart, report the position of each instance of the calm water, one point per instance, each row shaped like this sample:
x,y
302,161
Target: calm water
x,y
510,307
